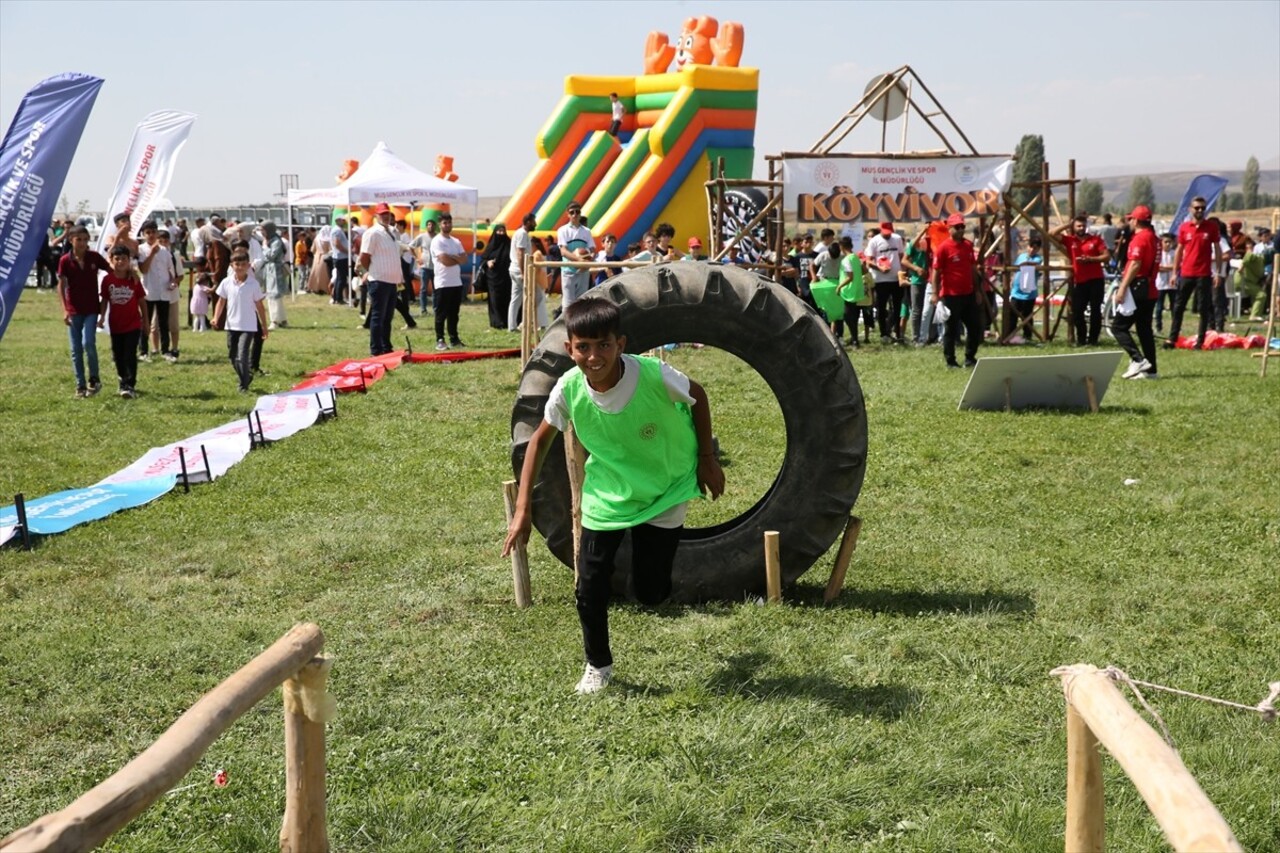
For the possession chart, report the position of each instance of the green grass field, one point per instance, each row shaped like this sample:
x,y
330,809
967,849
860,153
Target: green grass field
x,y
916,713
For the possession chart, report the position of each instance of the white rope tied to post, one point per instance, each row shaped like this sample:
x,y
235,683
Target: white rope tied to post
x,y
1266,708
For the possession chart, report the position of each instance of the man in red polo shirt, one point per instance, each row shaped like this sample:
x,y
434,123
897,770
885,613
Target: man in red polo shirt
x,y
1088,253
1194,261
954,275
1136,298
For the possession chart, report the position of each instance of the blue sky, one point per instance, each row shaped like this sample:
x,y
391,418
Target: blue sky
x,y
285,87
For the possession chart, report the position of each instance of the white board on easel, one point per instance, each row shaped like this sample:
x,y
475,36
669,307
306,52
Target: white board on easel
x,y
1072,381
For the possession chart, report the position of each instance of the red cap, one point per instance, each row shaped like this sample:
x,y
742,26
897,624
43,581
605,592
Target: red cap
x,y
382,208
695,243
1141,212
954,220
886,227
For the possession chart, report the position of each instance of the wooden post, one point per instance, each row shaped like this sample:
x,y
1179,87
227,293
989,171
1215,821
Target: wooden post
x,y
1189,820
1091,388
99,812
1271,318
1086,829
575,461
519,554
307,707
772,566
848,542
1008,393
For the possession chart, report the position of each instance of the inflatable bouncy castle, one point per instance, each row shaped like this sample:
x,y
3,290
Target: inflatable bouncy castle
x,y
675,124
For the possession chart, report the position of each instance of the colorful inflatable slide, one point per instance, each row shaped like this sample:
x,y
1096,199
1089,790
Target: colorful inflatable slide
x,y
654,170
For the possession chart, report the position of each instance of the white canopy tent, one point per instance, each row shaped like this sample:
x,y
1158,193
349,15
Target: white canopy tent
x,y
384,177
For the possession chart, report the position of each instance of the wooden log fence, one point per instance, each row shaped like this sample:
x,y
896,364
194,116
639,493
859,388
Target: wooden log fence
x,y
292,663
1097,713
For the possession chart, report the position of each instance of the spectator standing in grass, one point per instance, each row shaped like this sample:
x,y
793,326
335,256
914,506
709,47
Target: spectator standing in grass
x,y
1166,283
274,278
955,280
240,311
1193,261
1135,298
1088,253
122,302
884,259
449,256
78,290
576,244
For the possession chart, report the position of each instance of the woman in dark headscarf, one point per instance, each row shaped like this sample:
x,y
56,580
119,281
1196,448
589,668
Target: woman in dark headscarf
x,y
497,262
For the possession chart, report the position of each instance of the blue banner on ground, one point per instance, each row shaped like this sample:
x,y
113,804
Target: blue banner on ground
x,y
64,510
34,158
1208,187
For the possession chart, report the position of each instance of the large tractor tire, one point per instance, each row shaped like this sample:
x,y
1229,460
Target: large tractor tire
x,y
794,351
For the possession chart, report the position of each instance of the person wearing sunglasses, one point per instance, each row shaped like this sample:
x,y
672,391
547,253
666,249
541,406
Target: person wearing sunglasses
x,y
1195,261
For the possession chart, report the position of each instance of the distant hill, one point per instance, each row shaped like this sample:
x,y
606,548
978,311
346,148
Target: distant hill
x,y
1169,186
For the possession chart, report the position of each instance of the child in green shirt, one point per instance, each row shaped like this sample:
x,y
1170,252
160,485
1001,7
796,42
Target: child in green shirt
x,y
647,428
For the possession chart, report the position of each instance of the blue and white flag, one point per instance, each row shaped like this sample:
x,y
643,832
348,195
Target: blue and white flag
x,y
1208,187
64,510
34,159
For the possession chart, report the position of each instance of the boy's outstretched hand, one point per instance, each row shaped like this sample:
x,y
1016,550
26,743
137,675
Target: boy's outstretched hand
x,y
710,476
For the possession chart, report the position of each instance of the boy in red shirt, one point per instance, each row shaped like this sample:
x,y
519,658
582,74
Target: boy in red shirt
x,y
123,294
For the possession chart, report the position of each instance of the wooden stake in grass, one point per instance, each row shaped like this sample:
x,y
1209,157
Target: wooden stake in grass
x,y
1085,808
772,566
575,459
307,707
519,554
848,542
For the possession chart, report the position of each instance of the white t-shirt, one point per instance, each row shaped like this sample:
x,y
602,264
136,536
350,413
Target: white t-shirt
x,y
446,276
615,400
520,240
1164,281
155,281
881,248
197,242
571,237
422,244
384,254
618,109
242,299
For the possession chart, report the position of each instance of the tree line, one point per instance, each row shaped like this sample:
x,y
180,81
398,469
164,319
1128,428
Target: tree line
x,y
1090,196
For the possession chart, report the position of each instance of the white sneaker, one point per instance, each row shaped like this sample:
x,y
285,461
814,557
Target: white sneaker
x,y
594,680
1136,367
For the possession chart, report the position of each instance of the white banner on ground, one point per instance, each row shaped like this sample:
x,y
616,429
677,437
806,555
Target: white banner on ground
x,y
306,398
148,168
222,452
850,188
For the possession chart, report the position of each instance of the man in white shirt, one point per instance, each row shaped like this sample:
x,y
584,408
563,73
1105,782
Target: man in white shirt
x,y
576,244
521,249
380,262
884,258
340,257
449,256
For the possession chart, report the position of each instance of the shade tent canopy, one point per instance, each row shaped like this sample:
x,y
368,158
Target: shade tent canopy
x,y
385,177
